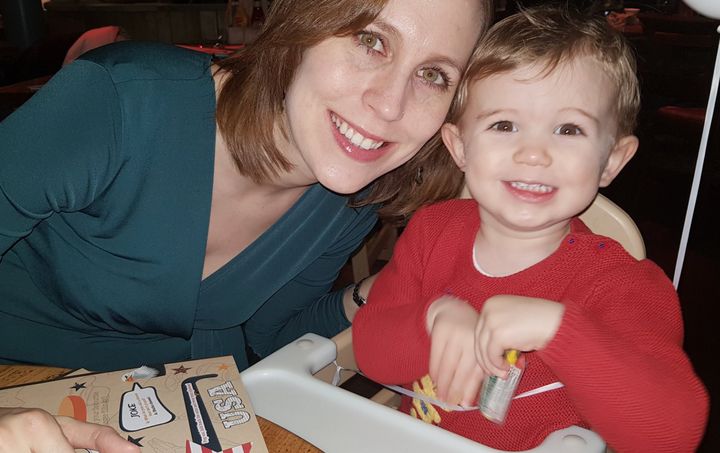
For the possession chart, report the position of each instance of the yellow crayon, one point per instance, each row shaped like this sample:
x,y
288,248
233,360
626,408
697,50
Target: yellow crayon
x,y
511,356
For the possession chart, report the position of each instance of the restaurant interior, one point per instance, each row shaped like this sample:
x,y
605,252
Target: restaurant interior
x,y
676,49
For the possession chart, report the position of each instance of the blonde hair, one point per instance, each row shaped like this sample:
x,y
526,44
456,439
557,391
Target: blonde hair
x,y
553,35
251,100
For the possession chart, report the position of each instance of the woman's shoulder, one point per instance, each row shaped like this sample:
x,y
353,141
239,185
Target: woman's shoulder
x,y
132,60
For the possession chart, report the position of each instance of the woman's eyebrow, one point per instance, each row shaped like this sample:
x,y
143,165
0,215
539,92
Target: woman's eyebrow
x,y
388,29
395,34
448,61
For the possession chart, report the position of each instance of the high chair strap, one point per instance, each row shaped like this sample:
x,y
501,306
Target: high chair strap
x,y
435,402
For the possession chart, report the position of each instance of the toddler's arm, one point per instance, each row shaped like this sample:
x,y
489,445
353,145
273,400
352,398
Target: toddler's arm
x,y
513,322
390,340
621,360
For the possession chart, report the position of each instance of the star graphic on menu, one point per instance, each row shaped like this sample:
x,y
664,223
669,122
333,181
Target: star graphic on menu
x,y
77,386
222,367
136,441
181,369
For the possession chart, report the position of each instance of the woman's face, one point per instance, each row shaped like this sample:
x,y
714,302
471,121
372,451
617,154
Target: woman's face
x,y
360,106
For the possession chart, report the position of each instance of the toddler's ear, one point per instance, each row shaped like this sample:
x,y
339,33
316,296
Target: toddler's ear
x,y
453,142
622,152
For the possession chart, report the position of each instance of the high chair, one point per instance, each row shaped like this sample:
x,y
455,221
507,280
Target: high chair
x,y
282,389
293,389
608,219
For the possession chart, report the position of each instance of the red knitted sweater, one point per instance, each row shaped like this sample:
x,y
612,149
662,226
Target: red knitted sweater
x,y
618,349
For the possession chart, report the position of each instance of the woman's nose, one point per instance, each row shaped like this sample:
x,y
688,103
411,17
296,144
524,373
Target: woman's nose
x,y
388,95
532,154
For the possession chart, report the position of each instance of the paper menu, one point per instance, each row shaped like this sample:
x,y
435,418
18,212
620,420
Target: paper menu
x,y
196,406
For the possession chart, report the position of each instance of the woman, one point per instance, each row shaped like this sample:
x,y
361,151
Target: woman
x,y
132,231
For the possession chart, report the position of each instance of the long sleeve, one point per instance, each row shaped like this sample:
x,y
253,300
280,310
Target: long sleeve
x,y
57,152
389,338
621,360
105,192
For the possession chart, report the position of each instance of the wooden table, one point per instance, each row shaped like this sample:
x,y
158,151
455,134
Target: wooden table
x,y
276,438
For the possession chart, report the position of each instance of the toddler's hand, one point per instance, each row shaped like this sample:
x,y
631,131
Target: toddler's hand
x,y
453,367
514,322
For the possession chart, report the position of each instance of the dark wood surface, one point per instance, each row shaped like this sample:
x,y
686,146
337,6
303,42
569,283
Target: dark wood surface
x,y
27,87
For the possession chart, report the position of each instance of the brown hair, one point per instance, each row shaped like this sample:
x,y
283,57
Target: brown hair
x,y
251,100
552,35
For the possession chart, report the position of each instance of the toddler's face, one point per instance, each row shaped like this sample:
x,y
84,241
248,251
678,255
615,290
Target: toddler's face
x,y
535,149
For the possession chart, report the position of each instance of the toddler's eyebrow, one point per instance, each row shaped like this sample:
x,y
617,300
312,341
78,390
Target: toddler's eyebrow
x,y
486,113
584,113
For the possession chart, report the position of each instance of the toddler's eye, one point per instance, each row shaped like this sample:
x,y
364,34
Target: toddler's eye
x,y
504,126
371,41
569,129
435,76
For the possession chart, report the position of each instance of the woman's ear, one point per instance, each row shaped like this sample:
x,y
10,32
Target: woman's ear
x,y
621,153
453,142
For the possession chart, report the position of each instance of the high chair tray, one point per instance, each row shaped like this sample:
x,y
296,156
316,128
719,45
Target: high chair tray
x,y
283,390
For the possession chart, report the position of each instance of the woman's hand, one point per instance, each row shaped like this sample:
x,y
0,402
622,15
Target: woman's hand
x,y
514,322
453,368
34,430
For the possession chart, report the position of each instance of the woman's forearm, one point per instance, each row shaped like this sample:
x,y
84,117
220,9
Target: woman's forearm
x,y
349,304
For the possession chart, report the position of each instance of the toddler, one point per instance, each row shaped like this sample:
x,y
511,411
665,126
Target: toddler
x,y
544,117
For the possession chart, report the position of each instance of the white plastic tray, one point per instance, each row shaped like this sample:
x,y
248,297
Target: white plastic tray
x,y
283,390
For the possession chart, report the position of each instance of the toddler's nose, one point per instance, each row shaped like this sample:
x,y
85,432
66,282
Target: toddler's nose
x,y
532,154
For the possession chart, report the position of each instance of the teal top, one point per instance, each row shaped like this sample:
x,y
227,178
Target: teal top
x,y
105,190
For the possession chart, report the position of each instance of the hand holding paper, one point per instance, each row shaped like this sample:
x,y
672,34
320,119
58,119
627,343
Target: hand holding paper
x,y
34,430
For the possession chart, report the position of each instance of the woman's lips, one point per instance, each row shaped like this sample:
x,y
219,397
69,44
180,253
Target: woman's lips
x,y
358,144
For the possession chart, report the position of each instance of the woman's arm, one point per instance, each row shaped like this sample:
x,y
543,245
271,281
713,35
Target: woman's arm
x,y
58,151
349,305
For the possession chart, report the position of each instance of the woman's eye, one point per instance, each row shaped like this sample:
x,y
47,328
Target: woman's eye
x,y
504,126
569,129
371,41
434,76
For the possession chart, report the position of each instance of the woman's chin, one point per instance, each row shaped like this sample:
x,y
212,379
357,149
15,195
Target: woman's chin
x,y
343,187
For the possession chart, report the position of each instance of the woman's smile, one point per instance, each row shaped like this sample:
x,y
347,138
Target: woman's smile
x,y
361,105
358,143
